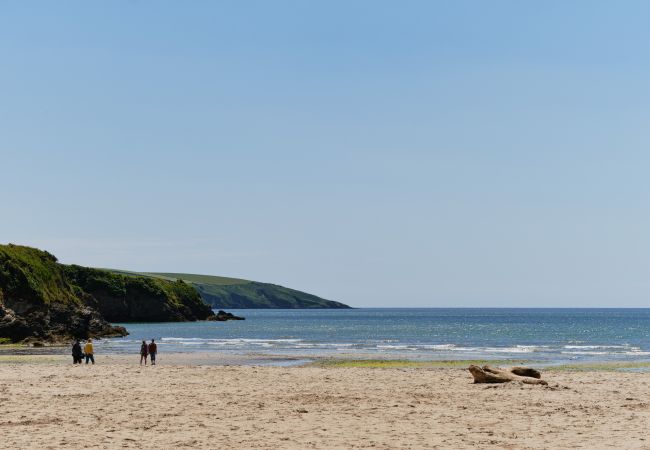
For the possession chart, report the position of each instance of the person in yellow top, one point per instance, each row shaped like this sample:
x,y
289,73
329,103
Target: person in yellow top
x,y
88,351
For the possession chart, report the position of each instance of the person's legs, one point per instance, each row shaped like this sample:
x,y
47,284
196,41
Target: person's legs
x,y
92,359
153,358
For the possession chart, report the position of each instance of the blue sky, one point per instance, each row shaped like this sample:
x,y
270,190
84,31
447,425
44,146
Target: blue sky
x,y
414,153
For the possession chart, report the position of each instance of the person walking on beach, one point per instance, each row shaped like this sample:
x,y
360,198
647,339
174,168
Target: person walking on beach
x,y
144,352
77,354
153,349
88,350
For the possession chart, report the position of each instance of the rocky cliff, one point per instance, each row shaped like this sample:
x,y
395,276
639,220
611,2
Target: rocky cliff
x,y
123,298
41,299
37,302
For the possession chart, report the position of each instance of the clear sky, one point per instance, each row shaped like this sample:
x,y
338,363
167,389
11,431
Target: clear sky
x,y
403,153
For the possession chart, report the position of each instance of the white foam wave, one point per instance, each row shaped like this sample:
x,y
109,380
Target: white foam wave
x,y
388,346
586,353
440,346
229,341
596,347
509,349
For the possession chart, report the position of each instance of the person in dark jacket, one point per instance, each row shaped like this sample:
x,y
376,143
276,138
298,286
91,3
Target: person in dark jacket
x,y
144,352
153,349
77,354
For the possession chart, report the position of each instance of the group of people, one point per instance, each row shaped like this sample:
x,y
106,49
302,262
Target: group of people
x,y
78,354
148,350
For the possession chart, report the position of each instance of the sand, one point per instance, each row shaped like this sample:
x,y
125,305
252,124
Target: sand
x,y
114,404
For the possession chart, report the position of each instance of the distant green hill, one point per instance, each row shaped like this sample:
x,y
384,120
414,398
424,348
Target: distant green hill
x,y
223,292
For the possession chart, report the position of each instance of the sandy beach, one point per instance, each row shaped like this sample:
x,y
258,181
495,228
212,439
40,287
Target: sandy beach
x,y
47,403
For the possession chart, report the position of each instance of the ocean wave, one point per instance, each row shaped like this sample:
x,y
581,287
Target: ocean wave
x,y
387,348
396,347
440,346
517,349
603,351
228,341
453,348
596,347
586,353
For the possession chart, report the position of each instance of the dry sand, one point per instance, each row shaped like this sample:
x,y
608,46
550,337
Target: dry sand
x,y
114,405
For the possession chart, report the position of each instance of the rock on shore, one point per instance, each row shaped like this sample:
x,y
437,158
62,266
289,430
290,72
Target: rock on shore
x,y
222,316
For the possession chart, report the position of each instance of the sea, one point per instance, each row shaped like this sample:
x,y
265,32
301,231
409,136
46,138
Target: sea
x,y
546,336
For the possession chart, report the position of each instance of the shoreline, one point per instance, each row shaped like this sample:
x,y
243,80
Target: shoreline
x,y
41,355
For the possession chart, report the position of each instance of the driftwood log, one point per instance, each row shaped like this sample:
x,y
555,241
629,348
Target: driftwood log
x,y
487,374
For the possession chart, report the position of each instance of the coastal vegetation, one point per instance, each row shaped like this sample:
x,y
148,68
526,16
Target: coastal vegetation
x,y
411,364
236,293
43,300
38,302
121,298
602,366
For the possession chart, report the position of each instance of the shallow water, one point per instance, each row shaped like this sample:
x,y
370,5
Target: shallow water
x,y
545,335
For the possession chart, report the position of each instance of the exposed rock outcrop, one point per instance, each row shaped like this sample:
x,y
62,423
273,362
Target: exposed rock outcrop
x,y
222,316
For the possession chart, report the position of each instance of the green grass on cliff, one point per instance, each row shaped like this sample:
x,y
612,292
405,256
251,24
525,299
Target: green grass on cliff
x,y
187,277
126,296
43,299
201,279
236,293
118,284
27,272
32,276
